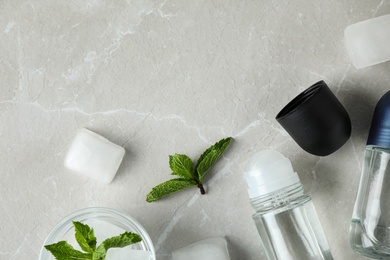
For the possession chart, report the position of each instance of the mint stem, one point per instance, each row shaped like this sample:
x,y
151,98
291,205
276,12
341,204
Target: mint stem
x,y
202,191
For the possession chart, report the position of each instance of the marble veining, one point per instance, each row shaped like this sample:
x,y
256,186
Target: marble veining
x,y
165,77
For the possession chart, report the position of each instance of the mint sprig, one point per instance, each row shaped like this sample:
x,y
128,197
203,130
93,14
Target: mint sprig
x,y
182,166
87,241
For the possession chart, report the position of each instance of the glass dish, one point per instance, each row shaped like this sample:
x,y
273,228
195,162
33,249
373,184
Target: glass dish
x,y
64,229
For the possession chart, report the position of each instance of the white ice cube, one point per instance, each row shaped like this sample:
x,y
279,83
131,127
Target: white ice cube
x,y
126,253
94,156
207,249
103,229
368,42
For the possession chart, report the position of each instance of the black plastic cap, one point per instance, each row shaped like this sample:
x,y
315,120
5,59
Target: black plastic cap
x,y
316,120
380,125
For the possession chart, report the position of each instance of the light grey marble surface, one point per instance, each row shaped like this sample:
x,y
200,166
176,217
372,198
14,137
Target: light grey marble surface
x,y
160,77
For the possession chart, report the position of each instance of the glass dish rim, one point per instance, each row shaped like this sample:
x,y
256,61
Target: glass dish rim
x,y
138,228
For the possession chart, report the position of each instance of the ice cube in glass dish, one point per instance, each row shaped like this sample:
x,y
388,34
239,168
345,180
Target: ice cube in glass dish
x,y
127,253
207,249
104,229
368,42
94,156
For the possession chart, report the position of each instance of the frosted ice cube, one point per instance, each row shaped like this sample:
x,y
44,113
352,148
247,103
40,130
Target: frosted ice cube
x,y
368,42
103,229
94,156
207,249
126,253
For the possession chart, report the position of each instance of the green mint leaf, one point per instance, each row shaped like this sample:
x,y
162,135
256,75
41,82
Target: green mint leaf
x,y
122,240
63,251
181,165
168,187
85,237
210,156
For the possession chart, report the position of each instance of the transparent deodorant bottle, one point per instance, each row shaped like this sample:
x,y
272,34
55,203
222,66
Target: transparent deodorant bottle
x,y
285,217
370,227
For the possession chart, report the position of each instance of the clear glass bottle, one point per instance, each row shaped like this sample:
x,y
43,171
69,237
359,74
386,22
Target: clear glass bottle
x,y
285,218
370,226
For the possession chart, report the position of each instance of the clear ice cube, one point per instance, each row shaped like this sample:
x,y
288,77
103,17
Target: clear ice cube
x,y
368,42
103,229
207,249
94,156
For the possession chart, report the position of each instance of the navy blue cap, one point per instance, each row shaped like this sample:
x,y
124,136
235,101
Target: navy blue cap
x,y
380,125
